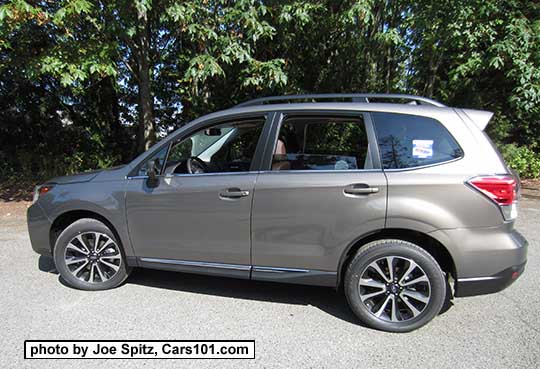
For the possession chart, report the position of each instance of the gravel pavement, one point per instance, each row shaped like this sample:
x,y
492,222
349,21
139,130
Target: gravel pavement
x,y
294,326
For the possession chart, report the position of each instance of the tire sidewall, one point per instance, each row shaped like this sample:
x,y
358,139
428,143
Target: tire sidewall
x,y
76,228
408,250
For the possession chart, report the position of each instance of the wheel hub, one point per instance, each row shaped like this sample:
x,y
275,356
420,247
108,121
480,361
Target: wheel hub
x,y
393,288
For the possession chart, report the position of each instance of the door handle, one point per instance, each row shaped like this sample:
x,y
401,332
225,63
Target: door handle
x,y
233,193
360,189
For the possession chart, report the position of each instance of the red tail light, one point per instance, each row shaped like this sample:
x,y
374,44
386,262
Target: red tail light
x,y
503,190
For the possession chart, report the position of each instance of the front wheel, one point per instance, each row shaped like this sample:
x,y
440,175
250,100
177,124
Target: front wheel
x,y
394,286
89,257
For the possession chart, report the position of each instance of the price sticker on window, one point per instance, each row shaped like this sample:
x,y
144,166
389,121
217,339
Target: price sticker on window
x,y
422,149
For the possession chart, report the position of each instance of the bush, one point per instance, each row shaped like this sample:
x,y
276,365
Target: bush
x,y
522,159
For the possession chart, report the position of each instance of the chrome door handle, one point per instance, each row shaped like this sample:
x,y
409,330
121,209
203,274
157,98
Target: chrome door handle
x,y
360,189
233,193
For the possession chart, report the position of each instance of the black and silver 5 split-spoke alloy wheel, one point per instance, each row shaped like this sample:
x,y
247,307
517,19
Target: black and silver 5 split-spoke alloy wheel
x,y
394,288
394,285
93,257
88,256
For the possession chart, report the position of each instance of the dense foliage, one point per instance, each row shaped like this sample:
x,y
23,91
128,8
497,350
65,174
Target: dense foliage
x,y
90,83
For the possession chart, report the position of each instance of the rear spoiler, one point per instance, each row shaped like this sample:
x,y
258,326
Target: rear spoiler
x,y
480,118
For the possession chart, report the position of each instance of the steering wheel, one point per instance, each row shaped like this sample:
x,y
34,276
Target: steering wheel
x,y
196,165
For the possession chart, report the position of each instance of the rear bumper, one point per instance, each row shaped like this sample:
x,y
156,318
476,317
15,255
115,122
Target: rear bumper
x,y
38,229
484,285
507,252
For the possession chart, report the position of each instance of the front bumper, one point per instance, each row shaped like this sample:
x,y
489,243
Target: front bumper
x,y
38,228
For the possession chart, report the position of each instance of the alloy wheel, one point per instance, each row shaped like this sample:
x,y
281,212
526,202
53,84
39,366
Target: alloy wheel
x,y
394,288
93,257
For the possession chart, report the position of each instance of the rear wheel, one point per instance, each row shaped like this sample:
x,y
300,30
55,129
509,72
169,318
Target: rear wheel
x,y
88,256
394,285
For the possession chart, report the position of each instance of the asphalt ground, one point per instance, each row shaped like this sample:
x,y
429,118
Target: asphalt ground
x,y
293,326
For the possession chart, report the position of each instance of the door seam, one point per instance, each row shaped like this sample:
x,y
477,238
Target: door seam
x,y
251,226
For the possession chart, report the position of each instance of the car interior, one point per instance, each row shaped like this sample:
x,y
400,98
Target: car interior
x,y
304,143
313,143
226,148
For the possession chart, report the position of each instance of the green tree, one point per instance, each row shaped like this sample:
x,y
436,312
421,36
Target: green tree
x,y
129,41
109,76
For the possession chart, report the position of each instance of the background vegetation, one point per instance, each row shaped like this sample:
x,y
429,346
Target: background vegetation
x,y
91,83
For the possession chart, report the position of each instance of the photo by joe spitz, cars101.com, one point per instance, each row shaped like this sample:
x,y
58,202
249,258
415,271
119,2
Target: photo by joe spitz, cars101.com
x,y
398,201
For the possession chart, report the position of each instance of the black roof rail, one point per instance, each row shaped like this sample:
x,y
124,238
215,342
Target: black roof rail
x,y
353,97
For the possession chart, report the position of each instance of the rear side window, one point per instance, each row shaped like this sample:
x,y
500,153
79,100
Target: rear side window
x,y
408,141
322,143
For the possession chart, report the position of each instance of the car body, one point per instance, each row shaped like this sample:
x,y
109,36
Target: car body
x,y
302,217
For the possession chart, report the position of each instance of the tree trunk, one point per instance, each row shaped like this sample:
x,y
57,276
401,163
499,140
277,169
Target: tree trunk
x,y
434,63
373,52
108,104
146,135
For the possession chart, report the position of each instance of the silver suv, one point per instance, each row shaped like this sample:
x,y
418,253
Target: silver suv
x,y
393,198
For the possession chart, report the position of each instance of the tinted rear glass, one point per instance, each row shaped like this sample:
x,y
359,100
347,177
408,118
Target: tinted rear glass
x,y
408,141
322,143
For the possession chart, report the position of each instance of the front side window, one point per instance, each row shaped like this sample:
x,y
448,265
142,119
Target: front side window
x,y
222,148
322,143
408,141
158,159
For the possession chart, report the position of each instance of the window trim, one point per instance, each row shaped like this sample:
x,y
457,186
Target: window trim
x,y
420,166
281,116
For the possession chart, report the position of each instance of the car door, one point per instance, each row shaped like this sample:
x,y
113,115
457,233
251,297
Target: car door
x,y
322,189
198,219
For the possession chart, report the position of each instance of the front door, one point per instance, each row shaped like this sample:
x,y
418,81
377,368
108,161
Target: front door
x,y
198,216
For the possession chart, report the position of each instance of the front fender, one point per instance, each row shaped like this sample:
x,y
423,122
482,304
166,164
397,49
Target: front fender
x,y
106,199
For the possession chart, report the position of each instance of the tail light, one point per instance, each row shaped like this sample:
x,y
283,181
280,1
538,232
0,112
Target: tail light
x,y
502,190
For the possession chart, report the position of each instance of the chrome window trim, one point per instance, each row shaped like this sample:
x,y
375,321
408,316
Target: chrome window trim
x,y
210,174
342,171
171,175
424,166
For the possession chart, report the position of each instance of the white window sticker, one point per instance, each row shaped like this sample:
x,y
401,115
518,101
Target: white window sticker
x,y
422,149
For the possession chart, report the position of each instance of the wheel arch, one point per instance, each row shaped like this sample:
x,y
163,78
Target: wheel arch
x,y
434,247
65,219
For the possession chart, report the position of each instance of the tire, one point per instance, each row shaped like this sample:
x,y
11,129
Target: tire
x,y
82,265
418,286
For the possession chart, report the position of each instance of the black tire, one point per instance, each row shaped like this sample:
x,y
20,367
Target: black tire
x,y
86,227
403,252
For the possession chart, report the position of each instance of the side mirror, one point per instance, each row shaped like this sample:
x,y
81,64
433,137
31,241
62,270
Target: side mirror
x,y
151,170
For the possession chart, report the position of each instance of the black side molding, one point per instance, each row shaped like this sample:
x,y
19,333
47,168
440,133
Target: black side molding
x,y
296,276
485,285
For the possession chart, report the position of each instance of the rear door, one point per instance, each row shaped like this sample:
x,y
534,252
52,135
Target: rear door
x,y
322,188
